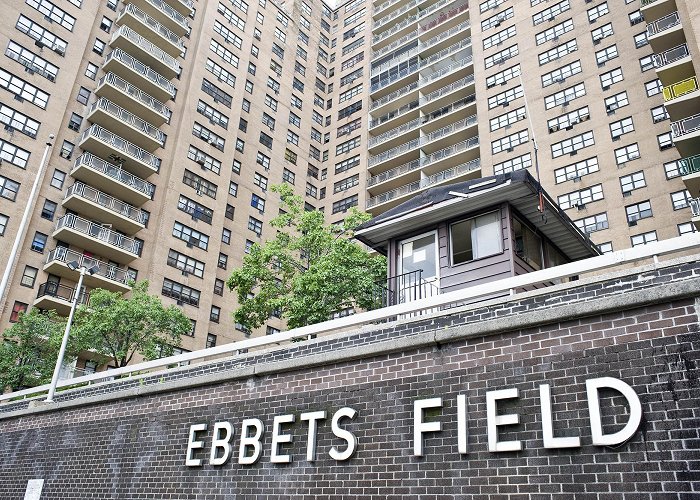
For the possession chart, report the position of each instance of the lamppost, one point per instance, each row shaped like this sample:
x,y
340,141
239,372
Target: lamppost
x,y
54,380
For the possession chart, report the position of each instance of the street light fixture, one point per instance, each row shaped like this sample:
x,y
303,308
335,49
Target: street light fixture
x,y
73,265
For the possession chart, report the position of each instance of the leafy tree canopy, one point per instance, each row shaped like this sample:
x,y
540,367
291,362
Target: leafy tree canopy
x,y
29,349
119,326
308,271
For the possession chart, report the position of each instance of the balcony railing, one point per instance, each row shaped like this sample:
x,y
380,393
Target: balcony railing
x,y
450,150
122,145
680,88
155,51
394,113
644,3
140,68
685,126
450,108
445,175
394,132
447,69
103,233
443,17
448,129
404,288
436,94
394,44
395,13
129,118
663,24
171,13
104,269
394,172
106,201
394,95
695,206
671,55
153,24
63,292
113,171
394,29
137,94
393,152
690,165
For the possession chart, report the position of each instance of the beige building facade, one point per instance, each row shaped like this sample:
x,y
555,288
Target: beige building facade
x,y
171,120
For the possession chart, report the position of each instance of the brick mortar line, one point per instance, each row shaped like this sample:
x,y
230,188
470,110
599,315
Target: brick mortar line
x,y
604,305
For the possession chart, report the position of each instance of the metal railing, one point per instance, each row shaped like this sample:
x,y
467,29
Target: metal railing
x,y
63,292
394,29
450,108
104,269
436,94
137,94
97,231
394,95
187,3
122,145
423,80
685,126
403,288
509,287
106,201
140,68
129,118
155,51
394,132
680,88
393,152
396,13
396,43
450,150
394,172
394,113
644,3
666,22
695,206
671,55
690,165
443,17
171,13
153,24
412,187
113,171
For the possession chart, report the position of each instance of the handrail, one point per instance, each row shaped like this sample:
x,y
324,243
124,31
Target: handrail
x,y
118,174
147,46
666,22
394,113
681,88
171,13
394,132
436,94
443,17
153,24
686,242
394,95
122,145
138,94
104,269
671,55
695,206
450,150
394,44
689,165
396,13
447,69
63,292
125,116
139,67
686,126
394,172
99,232
105,200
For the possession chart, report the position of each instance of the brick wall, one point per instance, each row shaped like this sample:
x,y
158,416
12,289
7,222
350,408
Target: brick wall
x,y
128,445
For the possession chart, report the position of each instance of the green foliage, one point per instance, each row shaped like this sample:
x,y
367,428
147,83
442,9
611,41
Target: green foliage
x,y
308,271
119,326
29,349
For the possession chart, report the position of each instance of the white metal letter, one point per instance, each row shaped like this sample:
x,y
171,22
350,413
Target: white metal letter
x,y
635,405
223,443
494,421
312,417
348,436
462,429
547,428
278,438
420,427
193,444
250,441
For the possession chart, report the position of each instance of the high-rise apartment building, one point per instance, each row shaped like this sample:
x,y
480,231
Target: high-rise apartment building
x,y
172,118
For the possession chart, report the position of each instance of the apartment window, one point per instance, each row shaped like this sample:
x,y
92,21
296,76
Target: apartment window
x,y
653,87
347,164
501,56
671,169
220,73
223,53
659,114
680,199
186,264
200,184
576,170
350,93
52,13
223,261
251,68
508,142
263,160
572,145
257,202
505,98
290,156
204,160
597,11
28,276
39,242
507,119
232,18
564,97
4,219
111,4
265,140
75,121
347,183
568,120
665,140
106,24
214,91
233,189
561,74
610,78
299,68
98,47
8,188
644,238
268,121
557,52
606,54
345,204
635,17
616,101
603,32
554,32
242,124
198,130
489,5
581,197
17,309
593,223
255,225
605,247
49,210
349,110
513,164
83,95
22,90
260,181
621,127
629,183
181,293
296,102
230,211
550,13
280,35
249,86
347,146
190,236
31,61
685,228
254,51
219,287
497,19
211,340
638,211
627,153
271,102
646,63
641,40
292,137
229,36
57,179
288,176
499,37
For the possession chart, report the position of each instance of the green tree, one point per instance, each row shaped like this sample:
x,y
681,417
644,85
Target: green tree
x,y
29,349
119,327
308,271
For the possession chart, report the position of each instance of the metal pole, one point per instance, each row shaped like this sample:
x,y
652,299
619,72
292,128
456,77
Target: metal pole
x,y
23,224
64,342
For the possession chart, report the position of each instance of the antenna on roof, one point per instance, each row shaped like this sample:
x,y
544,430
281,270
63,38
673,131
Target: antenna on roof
x,y
540,203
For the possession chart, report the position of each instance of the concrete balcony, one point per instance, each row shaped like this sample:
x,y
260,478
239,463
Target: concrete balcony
x,y
148,27
690,170
682,98
394,45
394,118
444,74
404,131
394,33
106,144
145,51
666,32
130,97
162,12
58,297
444,18
136,72
96,238
445,95
686,135
674,65
184,7
108,276
112,179
134,129
656,9
389,101
106,208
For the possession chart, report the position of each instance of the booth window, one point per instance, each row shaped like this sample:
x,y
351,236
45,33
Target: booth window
x,y
476,237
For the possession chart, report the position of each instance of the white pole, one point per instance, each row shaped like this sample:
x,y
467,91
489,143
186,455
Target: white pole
x,y
21,232
64,342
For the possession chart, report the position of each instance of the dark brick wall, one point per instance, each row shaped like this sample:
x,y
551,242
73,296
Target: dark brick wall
x,y
134,448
